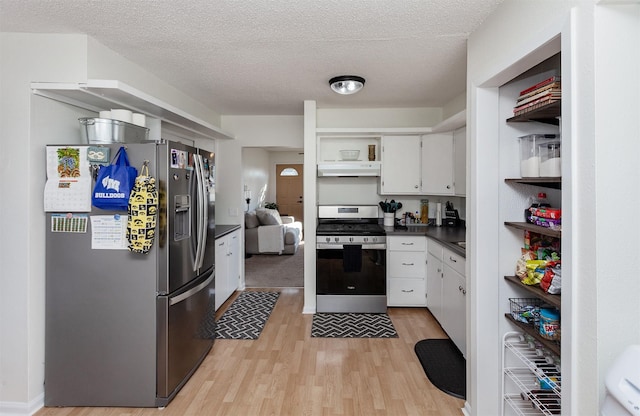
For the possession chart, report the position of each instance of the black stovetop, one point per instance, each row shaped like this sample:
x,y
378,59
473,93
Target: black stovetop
x,y
329,228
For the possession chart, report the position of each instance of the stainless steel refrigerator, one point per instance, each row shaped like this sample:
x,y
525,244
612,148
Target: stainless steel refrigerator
x,y
127,329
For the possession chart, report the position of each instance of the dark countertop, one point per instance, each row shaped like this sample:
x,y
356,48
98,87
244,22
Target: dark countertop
x,y
447,236
224,229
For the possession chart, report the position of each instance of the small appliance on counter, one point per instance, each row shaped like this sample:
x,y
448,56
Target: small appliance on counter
x,y
451,217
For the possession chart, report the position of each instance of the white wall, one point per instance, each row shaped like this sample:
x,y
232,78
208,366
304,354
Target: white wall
x,y
599,309
378,117
256,170
617,126
266,131
454,106
21,216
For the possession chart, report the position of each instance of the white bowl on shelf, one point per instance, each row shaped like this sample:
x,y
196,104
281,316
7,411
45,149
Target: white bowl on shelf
x,y
349,154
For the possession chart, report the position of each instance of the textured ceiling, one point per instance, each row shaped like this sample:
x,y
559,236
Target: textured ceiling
x,y
267,57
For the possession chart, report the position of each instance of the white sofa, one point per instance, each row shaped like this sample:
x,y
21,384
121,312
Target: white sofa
x,y
266,232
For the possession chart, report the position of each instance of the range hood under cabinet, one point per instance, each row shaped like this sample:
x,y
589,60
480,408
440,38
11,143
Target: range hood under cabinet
x,y
349,168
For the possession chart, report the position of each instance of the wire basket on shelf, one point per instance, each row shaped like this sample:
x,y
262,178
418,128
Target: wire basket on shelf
x,y
526,310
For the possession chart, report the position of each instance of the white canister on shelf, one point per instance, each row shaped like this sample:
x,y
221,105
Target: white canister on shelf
x,y
121,115
550,160
139,119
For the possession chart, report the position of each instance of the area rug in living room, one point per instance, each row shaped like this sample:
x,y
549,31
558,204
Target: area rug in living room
x,y
352,325
272,270
246,316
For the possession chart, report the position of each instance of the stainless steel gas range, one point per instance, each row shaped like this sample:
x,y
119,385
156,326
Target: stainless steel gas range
x,y
350,260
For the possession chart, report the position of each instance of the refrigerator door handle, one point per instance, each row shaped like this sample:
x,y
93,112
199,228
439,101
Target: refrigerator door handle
x,y
202,211
192,291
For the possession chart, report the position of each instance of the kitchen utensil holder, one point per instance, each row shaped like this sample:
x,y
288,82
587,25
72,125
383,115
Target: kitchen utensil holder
x,y
389,219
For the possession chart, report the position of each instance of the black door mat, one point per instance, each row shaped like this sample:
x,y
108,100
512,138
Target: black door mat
x,y
444,365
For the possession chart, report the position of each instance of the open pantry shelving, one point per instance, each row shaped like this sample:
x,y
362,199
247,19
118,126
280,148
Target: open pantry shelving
x,y
531,361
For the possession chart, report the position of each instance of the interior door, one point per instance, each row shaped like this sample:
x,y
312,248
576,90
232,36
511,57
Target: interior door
x,y
289,185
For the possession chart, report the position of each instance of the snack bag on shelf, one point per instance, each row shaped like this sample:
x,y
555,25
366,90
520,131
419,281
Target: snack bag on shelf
x,y
521,264
535,271
552,280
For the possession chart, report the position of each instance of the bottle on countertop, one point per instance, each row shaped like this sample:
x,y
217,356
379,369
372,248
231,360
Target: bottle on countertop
x,y
424,211
438,214
417,217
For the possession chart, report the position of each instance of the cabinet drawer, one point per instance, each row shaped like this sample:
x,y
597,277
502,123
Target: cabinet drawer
x,y
407,264
453,260
407,292
407,243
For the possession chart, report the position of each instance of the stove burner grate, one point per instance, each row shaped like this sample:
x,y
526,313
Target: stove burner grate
x,y
352,229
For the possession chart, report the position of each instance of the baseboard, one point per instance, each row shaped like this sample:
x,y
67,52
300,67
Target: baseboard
x,y
306,310
466,410
21,408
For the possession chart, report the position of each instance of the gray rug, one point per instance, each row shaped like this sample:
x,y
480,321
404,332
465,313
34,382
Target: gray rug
x,y
246,316
272,270
352,325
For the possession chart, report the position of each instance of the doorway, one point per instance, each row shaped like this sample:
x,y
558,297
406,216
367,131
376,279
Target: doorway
x,y
289,186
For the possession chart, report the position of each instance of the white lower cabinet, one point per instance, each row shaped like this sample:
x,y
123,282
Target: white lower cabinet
x,y
227,266
406,271
446,292
453,307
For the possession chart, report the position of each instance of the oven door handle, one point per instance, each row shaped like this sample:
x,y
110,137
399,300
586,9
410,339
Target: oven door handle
x,y
323,246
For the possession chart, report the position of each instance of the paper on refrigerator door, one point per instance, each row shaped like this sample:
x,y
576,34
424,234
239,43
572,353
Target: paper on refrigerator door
x,y
108,232
68,187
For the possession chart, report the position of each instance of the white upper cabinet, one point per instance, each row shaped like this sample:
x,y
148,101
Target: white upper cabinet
x,y
400,165
460,161
437,164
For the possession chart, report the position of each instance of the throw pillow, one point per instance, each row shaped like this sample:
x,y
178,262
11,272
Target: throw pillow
x,y
251,220
268,216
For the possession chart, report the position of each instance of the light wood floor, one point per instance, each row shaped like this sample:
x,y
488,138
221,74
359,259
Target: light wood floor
x,y
286,372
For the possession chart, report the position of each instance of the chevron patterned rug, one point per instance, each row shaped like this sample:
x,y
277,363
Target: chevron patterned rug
x,y
352,325
246,316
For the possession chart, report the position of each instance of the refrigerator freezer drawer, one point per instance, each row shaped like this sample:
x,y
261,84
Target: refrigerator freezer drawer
x,y
186,330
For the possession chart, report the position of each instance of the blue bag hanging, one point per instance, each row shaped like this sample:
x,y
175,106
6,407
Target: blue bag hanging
x,y
114,183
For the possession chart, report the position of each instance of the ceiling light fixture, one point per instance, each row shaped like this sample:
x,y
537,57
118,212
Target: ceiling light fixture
x,y
346,84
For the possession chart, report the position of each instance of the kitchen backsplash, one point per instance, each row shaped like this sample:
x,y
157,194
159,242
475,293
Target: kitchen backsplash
x,y
364,191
